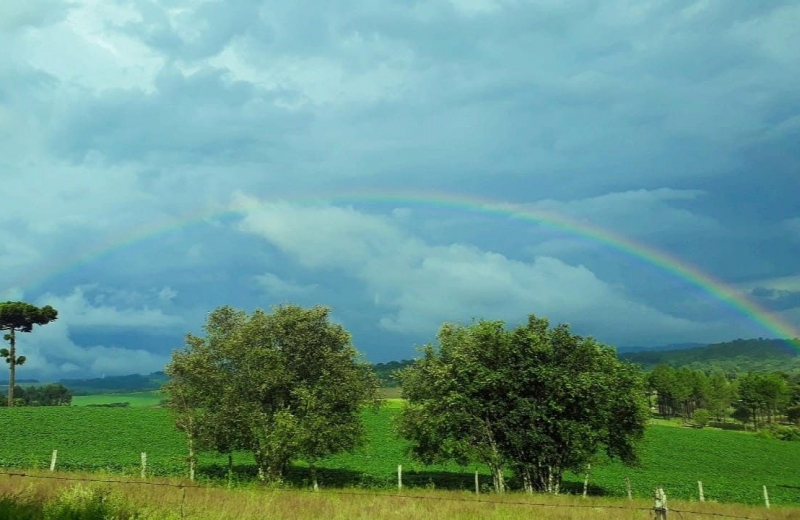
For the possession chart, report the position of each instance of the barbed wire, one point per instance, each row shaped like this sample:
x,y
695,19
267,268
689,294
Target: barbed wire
x,y
342,492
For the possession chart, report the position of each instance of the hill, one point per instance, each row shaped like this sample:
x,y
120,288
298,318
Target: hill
x,y
116,384
385,372
741,355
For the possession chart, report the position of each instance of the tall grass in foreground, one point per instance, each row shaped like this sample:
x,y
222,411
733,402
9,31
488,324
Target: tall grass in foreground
x,y
24,498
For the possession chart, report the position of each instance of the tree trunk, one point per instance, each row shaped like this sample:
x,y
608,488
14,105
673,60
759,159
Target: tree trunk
x,y
549,479
527,483
497,478
12,365
192,456
314,484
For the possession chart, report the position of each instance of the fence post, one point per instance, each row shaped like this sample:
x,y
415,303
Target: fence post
x,y
53,460
660,507
700,488
477,484
766,497
586,480
144,464
399,477
628,487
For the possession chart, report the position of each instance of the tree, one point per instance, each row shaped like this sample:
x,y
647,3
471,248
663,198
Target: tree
x,y
20,317
283,385
536,400
700,417
720,395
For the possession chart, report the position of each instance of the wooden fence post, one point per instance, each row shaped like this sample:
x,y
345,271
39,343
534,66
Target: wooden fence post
x,y
628,486
700,488
660,507
53,460
477,484
144,464
766,497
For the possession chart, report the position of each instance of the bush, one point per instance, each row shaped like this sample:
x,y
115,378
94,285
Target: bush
x,y
701,417
785,433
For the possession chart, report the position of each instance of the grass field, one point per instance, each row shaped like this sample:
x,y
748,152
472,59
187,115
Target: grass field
x,y
32,498
136,399
733,466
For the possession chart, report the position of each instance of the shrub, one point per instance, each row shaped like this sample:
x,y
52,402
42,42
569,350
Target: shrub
x,y
701,417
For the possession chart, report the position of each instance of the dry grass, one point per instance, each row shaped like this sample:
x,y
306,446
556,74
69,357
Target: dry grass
x,y
21,496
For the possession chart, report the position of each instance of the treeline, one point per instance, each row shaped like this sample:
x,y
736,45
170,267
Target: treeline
x,y
116,384
731,357
757,398
49,395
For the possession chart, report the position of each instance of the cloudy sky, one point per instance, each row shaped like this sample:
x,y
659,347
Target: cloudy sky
x,y
162,158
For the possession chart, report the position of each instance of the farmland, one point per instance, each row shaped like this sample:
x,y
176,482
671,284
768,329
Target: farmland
x,y
733,466
149,398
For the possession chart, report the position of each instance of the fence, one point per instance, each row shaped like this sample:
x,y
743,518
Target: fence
x,y
659,510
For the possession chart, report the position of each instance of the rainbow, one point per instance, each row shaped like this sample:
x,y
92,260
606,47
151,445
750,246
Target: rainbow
x,y
636,249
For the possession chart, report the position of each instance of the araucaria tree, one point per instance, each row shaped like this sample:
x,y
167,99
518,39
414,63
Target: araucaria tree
x,y
283,385
20,317
535,400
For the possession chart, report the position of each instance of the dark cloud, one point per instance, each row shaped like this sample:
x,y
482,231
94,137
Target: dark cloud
x,y
673,124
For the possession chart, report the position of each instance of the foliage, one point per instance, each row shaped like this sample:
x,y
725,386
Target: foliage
x,y
20,317
538,400
701,417
730,358
763,396
387,373
49,395
284,385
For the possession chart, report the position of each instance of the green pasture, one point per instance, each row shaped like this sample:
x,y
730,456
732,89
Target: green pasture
x,y
136,399
733,466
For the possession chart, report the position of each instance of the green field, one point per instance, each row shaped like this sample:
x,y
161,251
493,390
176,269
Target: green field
x,y
135,399
733,466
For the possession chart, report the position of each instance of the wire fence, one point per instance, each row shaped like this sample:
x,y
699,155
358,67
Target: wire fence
x,y
398,495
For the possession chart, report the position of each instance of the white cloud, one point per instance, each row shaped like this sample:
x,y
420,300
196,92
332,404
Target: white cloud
x,y
278,287
167,294
78,310
421,285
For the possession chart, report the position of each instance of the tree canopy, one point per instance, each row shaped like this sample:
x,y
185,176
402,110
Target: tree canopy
x,y
283,385
20,317
536,400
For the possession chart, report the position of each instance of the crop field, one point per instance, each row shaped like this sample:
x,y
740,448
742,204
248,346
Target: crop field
x,y
732,466
135,399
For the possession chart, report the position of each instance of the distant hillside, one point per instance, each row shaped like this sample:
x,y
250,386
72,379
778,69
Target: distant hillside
x,y
741,355
385,372
671,346
115,384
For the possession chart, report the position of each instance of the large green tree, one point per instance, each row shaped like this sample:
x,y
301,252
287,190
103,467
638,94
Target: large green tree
x,y
536,400
20,317
283,385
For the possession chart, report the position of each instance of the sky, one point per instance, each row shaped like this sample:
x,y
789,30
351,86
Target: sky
x,y
160,159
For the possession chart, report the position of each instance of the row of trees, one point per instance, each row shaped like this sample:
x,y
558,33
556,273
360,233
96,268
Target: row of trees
x,y
288,384
48,395
755,397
